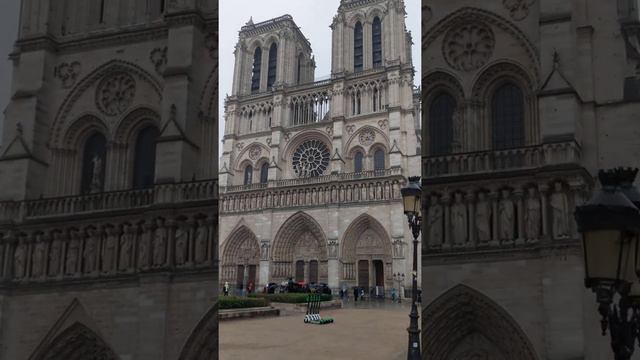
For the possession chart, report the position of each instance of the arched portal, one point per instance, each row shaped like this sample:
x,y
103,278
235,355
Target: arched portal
x,y
202,344
300,251
464,324
240,258
77,342
366,254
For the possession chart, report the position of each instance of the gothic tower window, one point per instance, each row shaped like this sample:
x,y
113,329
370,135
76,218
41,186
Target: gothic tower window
x,y
378,160
264,173
441,124
357,162
273,63
102,9
255,77
507,116
144,163
357,47
377,42
248,175
376,96
93,164
300,59
358,103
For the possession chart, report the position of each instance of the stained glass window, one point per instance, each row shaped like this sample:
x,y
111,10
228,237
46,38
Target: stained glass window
x,y
311,159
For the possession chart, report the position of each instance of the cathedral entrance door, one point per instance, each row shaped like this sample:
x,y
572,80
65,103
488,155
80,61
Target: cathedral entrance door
x,y
252,275
363,273
378,269
300,270
313,271
240,277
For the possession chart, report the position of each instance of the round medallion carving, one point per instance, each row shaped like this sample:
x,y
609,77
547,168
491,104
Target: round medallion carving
x,y
311,159
367,137
518,9
255,152
468,47
115,93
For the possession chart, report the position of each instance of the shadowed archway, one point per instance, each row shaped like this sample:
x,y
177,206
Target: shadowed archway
x,y
77,342
463,324
240,258
202,344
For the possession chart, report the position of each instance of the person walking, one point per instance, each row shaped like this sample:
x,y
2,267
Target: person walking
x,y
225,289
355,293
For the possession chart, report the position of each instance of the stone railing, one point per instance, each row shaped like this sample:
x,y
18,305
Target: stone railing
x,y
502,160
309,104
18,211
332,189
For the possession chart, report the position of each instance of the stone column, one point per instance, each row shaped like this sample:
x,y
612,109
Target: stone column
x,y
493,197
471,220
446,208
542,190
520,217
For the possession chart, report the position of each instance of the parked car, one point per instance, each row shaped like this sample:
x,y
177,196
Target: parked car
x,y
321,288
271,288
297,287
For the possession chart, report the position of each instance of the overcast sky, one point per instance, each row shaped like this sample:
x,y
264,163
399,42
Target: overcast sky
x,y
312,16
8,31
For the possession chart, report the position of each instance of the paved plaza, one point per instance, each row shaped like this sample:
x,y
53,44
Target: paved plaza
x,y
366,331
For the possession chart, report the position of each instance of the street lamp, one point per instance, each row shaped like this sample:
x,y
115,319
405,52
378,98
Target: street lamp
x,y
609,227
400,279
411,197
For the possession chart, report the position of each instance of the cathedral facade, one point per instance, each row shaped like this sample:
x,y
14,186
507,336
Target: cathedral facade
x,y
523,102
108,182
311,171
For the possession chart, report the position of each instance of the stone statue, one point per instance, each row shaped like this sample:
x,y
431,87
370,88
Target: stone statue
x,y
126,246
397,249
160,245
532,215
264,251
560,210
73,253
90,249
96,174
19,260
458,131
435,213
459,221
110,250
506,216
145,246
182,237
200,236
55,254
483,218
38,257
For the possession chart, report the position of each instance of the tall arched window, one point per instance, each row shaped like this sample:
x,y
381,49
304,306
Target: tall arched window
x,y
357,162
376,29
507,116
441,124
144,163
248,175
102,11
273,63
300,60
257,63
357,47
375,100
264,173
94,155
378,160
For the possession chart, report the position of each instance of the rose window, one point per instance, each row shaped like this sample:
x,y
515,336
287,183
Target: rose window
x,y
311,159
468,47
116,93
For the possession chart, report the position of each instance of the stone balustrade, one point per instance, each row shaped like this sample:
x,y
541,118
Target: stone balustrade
x,y
18,211
330,189
502,160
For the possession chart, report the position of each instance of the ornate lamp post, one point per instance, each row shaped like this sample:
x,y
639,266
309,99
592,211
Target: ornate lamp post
x,y
400,279
412,195
609,225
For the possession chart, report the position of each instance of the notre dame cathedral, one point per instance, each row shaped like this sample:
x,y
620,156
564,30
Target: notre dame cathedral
x,y
311,170
523,100
108,178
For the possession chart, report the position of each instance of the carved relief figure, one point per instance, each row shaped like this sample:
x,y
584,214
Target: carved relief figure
x,y
126,246
37,268
110,249
182,237
200,242
483,218
560,210
19,260
532,215
55,254
333,248
90,249
506,216
459,221
145,246
435,213
73,253
398,248
96,174
159,245
264,251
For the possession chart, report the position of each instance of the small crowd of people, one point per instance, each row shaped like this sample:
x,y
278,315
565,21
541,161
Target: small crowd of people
x,y
225,289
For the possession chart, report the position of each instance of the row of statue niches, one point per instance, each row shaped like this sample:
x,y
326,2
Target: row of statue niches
x,y
501,218
111,249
